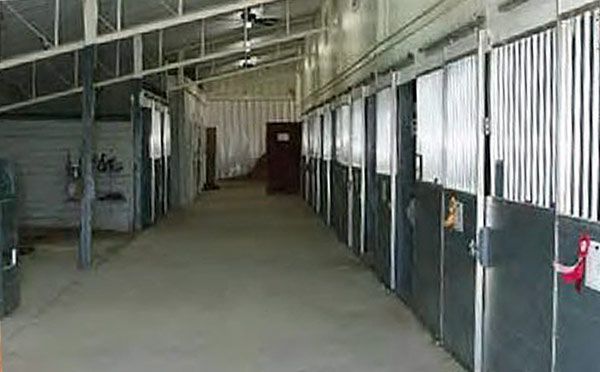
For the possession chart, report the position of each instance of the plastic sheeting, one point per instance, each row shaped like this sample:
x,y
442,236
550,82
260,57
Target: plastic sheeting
x,y
327,134
358,132
579,117
241,131
342,138
461,130
430,126
523,119
384,131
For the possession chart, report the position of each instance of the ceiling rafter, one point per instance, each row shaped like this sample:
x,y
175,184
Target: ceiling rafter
x,y
45,39
211,57
130,32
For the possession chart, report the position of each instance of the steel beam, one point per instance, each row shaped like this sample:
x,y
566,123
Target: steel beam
x,y
56,22
33,28
227,75
129,32
213,57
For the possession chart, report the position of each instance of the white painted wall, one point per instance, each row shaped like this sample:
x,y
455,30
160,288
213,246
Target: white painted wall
x,y
40,150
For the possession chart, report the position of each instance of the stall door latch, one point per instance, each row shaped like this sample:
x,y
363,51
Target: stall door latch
x,y
483,249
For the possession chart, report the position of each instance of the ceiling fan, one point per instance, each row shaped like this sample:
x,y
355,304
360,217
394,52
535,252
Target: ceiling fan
x,y
257,16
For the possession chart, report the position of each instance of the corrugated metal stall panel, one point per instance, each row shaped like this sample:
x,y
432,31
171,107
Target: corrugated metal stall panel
x,y
518,288
523,119
426,260
241,130
458,295
430,126
40,150
461,127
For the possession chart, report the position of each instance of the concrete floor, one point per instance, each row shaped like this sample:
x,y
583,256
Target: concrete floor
x,y
240,282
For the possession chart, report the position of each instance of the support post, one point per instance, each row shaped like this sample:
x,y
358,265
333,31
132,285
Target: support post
x,y
88,105
87,119
138,145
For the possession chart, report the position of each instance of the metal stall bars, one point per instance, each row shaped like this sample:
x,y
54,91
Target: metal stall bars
x,y
518,249
428,200
457,269
326,163
576,324
340,168
385,122
356,208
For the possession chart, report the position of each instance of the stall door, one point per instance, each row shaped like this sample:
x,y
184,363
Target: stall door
x,y
371,193
356,208
385,121
339,174
428,201
405,189
519,252
460,214
326,164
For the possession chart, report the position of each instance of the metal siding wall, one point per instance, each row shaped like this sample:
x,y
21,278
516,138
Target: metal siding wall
x,y
40,148
523,118
430,125
579,153
384,131
241,130
461,128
